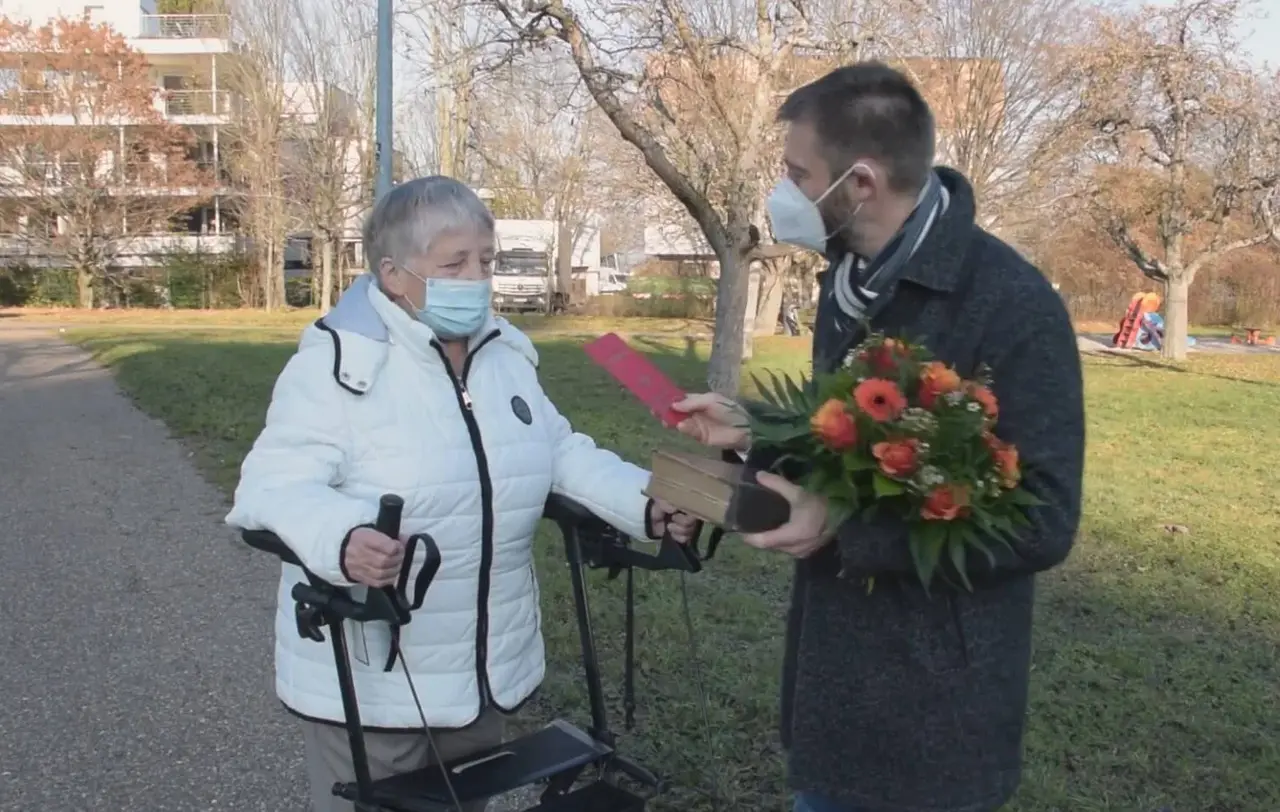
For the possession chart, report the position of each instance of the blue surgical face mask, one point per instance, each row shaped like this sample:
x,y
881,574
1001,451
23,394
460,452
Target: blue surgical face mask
x,y
455,308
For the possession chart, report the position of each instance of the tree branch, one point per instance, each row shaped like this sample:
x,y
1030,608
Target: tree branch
x,y
603,87
1151,267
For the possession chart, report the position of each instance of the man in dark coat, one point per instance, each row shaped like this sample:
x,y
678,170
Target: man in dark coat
x,y
893,701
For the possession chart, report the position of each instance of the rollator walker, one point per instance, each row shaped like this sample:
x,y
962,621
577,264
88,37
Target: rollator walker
x,y
579,769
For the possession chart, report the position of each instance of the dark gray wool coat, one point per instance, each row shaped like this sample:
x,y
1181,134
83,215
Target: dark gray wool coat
x,y
892,701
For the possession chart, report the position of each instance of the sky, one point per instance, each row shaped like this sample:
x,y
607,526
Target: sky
x,y
1259,34
1262,37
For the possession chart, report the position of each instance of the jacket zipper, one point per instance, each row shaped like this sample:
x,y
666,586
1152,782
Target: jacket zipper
x,y
486,514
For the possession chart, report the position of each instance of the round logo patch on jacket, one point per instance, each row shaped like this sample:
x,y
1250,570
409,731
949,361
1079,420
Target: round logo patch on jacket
x,y
521,410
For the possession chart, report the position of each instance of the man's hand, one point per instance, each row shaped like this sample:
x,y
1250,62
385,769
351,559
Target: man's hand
x,y
806,532
714,420
371,558
664,518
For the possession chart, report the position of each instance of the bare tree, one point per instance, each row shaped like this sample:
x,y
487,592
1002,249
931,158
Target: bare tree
x,y
92,157
1188,150
257,140
1003,79
329,129
444,48
671,73
544,146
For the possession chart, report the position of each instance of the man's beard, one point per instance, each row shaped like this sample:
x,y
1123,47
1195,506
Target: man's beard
x,y
836,219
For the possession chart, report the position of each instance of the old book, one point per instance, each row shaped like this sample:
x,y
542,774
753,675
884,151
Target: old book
x,y
717,492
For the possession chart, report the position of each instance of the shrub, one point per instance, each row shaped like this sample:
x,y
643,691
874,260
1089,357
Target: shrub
x,y
54,287
17,285
668,306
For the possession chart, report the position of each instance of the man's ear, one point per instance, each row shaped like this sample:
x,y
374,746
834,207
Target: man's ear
x,y
865,180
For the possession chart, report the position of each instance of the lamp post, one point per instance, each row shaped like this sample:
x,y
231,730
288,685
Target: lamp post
x,y
383,101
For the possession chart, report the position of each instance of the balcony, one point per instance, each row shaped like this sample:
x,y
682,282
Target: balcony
x,y
37,103
185,26
196,102
34,102
36,178
33,176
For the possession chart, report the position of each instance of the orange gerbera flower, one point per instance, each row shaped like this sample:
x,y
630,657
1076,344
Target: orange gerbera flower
x,y
884,358
946,502
1006,459
834,426
986,399
936,379
898,458
879,399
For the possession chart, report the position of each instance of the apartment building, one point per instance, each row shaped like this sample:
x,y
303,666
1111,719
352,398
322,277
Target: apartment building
x,y
182,54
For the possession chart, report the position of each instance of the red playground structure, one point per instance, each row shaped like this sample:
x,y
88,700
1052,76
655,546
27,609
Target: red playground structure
x,y
1140,306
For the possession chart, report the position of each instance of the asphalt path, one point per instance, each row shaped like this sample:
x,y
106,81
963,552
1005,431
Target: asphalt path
x,y
135,632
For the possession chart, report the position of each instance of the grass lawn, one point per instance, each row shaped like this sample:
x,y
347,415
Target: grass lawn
x,y
290,322
1157,665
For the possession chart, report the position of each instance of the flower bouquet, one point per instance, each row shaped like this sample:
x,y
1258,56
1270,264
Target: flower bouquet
x,y
895,432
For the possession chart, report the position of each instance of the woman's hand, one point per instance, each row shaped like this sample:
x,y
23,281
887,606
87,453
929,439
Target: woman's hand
x,y
664,519
371,558
714,420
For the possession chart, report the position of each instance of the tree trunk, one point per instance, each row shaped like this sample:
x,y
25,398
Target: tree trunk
x,y
749,326
724,369
326,276
84,284
773,278
1175,317
272,275
277,274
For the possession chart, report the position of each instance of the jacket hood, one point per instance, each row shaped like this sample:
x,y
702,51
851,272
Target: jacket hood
x,y
356,314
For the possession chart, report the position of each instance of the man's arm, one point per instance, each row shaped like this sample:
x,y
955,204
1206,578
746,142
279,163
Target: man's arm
x,y
1037,379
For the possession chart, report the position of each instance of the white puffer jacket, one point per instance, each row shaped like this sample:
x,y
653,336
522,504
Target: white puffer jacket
x,y
367,406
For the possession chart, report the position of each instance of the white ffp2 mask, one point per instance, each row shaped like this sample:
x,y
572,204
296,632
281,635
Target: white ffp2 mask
x,y
796,219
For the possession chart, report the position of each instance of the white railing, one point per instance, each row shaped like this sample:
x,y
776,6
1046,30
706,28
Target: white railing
x,y
44,174
36,103
196,102
14,245
185,26
107,175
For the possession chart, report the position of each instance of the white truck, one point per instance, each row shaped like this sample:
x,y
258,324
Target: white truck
x,y
524,265
531,274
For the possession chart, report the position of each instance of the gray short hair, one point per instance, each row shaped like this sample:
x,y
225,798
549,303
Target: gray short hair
x,y
406,220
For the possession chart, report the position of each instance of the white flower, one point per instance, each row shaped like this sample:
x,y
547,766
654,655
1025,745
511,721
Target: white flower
x,y
953,398
917,419
929,476
973,407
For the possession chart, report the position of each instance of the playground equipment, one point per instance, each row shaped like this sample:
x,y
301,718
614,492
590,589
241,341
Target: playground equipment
x,y
555,757
1142,327
1253,337
1134,321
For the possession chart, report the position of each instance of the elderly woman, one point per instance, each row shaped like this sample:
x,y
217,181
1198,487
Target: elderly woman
x,y
412,386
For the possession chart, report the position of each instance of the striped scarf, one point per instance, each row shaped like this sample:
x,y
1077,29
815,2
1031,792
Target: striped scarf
x,y
859,282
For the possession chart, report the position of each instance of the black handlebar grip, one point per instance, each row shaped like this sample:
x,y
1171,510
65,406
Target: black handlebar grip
x,y
390,511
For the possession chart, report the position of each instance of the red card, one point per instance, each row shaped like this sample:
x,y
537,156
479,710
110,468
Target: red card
x,y
639,375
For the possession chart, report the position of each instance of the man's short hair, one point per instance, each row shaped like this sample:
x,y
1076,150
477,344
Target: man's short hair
x,y
868,109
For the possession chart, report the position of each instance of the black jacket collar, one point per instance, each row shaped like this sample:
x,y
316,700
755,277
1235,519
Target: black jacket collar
x,y
937,265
